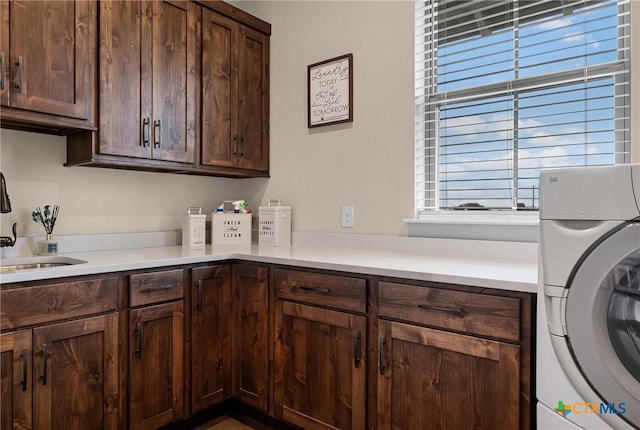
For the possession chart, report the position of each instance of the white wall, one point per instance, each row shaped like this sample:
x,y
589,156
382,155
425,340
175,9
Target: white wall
x,y
95,200
367,163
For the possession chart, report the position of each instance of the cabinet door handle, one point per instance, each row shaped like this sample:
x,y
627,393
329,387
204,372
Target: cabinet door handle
x,y
139,340
2,70
19,69
315,289
146,124
441,309
243,146
24,369
158,288
156,133
381,356
235,145
356,349
45,353
199,302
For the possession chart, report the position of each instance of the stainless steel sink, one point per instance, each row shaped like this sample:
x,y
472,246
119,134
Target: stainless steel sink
x,y
33,263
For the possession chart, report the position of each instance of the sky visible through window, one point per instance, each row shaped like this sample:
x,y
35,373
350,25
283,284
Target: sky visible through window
x,y
492,146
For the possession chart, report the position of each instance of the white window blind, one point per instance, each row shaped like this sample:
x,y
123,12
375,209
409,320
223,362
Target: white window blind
x,y
505,88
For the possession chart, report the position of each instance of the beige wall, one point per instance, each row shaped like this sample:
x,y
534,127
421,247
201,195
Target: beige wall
x,y
94,200
367,163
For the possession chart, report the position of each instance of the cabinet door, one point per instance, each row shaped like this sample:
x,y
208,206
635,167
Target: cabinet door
x,y
125,84
51,47
210,336
15,363
219,90
319,374
76,374
250,335
156,342
174,74
433,379
148,79
254,100
4,53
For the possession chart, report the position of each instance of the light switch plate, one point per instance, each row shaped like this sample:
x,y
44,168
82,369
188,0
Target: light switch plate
x,y
347,216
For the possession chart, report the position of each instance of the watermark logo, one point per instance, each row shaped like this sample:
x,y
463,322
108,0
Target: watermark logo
x,y
582,408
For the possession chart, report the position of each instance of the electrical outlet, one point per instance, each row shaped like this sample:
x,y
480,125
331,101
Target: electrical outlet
x,y
347,216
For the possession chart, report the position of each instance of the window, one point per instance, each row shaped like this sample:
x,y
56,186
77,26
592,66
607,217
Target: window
x,y
505,88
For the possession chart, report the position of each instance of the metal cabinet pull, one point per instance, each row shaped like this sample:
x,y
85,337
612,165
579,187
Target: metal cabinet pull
x,y
146,124
441,309
158,288
235,145
24,369
45,353
199,302
19,70
2,70
139,340
315,289
381,365
156,133
243,146
356,349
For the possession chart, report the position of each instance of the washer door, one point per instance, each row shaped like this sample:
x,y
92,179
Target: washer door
x,y
603,321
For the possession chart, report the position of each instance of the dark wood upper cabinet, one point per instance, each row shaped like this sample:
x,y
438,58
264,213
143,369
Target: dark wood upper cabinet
x,y
183,87
235,96
148,80
48,65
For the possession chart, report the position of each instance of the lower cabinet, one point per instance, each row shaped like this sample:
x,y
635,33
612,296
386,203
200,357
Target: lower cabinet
x,y
251,335
15,381
455,381
460,357
156,372
210,336
61,376
319,377
320,350
320,367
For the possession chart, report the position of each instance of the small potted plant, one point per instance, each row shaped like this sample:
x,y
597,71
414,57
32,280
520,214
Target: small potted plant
x,y
48,219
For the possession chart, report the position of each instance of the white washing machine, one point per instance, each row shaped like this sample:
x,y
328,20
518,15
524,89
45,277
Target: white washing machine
x,y
588,331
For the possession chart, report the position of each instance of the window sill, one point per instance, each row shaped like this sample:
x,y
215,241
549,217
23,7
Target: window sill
x,y
510,226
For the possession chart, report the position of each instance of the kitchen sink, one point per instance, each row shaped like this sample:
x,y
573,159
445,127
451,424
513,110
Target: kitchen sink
x,y
32,263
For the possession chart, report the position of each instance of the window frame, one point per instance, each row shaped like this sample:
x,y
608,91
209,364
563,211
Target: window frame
x,y
426,111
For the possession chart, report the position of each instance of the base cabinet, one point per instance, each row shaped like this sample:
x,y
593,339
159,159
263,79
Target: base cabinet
x,y
434,372
317,349
15,382
67,380
251,335
156,342
320,369
211,359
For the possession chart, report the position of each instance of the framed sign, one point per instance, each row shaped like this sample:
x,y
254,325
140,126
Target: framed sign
x,y
330,91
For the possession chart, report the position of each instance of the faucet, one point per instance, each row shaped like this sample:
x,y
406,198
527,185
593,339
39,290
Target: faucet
x,y
5,207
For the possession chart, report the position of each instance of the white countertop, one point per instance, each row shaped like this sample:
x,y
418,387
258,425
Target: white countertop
x,y
499,265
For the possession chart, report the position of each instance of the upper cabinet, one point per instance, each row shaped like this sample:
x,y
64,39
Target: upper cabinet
x,y
47,65
235,98
183,87
148,80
